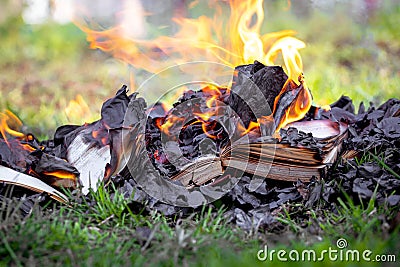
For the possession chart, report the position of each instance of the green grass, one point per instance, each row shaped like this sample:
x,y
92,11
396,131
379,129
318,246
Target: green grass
x,y
381,162
105,229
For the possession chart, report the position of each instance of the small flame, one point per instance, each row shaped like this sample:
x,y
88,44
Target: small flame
x,y
28,147
253,126
207,124
214,93
61,174
78,110
8,119
171,121
298,108
289,47
59,178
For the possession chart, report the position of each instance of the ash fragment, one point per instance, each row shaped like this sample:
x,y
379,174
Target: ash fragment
x,y
254,89
374,138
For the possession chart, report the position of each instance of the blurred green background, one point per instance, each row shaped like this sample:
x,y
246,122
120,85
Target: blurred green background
x,y
353,48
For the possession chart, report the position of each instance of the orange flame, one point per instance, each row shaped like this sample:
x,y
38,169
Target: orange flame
x,y
78,110
206,124
298,108
214,93
234,41
61,178
8,118
61,174
169,122
252,127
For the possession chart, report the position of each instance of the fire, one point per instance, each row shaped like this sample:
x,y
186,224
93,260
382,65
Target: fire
x,y
22,145
78,110
8,118
214,94
61,174
171,121
289,47
206,123
298,108
253,47
253,126
60,178
233,41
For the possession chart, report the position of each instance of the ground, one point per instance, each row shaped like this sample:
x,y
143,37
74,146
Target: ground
x,y
43,67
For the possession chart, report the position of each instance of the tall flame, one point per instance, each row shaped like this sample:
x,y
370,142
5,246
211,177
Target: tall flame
x,y
234,41
289,47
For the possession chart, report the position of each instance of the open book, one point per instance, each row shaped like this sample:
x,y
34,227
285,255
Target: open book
x,y
271,158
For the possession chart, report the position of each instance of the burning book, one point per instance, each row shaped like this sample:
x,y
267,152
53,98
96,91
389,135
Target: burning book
x,y
83,156
262,125
273,159
78,157
260,147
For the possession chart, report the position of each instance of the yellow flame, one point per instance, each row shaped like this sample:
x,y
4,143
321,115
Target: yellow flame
x,y
298,108
171,121
289,47
233,42
252,127
253,48
61,174
78,110
6,119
